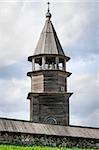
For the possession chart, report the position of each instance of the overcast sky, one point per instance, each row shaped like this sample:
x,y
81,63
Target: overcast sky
x,y
77,25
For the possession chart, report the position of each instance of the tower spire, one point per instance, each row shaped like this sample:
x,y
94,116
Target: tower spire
x,y
48,14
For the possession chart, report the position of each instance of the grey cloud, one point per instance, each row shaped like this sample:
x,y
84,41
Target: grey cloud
x,y
17,70
21,25
90,120
15,97
18,40
84,104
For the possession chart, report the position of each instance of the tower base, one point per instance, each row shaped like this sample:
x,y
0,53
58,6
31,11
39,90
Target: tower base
x,y
49,108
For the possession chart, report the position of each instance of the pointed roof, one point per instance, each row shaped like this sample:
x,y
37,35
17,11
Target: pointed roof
x,y
48,42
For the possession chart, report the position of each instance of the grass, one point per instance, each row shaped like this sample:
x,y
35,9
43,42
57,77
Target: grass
x,y
9,147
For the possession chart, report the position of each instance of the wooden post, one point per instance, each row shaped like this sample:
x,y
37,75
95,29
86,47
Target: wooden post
x,y
64,65
57,62
43,62
33,64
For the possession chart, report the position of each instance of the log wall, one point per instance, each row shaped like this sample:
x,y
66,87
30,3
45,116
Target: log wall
x,y
54,107
49,81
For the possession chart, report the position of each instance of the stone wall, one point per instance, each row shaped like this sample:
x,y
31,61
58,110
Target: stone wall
x,y
30,139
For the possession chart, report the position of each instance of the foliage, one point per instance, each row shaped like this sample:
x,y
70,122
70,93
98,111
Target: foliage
x,y
9,147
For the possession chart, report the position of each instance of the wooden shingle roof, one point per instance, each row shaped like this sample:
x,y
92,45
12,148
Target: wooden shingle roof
x,y
48,42
11,125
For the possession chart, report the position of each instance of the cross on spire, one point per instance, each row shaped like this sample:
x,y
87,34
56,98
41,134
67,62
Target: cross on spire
x,y
48,3
48,14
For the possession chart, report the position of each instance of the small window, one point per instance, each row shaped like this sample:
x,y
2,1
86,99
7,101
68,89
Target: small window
x,y
62,89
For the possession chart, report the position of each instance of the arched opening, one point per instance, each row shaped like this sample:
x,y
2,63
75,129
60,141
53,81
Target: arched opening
x,y
50,63
62,64
50,120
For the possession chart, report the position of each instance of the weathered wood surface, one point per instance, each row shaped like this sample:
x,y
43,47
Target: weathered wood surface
x,y
11,125
55,106
37,83
49,81
48,42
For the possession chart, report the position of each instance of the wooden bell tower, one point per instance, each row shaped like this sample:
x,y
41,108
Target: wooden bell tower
x,y
49,99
